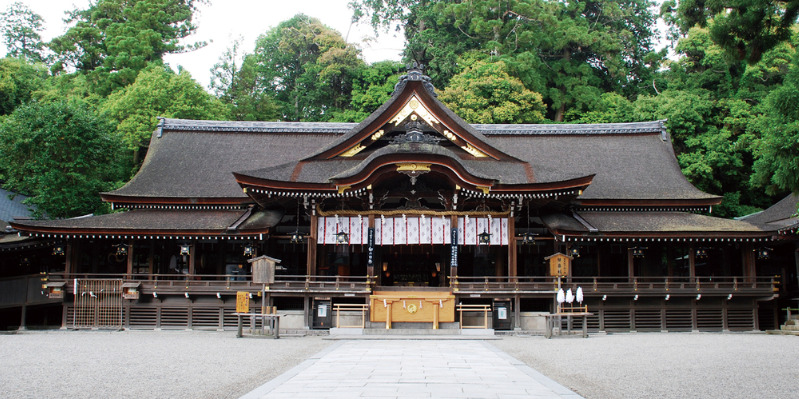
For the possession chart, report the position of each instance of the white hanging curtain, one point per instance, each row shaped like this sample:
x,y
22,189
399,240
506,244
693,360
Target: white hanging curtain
x,y
412,230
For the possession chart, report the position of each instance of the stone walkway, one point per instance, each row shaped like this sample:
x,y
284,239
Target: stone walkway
x,y
411,369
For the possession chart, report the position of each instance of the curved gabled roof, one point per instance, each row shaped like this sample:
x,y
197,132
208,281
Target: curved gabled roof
x,y
415,91
193,161
632,161
781,216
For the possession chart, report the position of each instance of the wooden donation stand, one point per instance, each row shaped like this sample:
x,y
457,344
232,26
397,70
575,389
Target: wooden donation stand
x,y
559,266
412,307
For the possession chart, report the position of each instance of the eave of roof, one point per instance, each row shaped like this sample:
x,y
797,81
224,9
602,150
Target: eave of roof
x,y
779,217
651,225
156,222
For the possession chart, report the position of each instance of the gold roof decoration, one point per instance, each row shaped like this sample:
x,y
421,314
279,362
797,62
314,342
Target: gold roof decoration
x,y
414,106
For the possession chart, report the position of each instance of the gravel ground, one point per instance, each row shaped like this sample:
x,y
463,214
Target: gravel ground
x,y
144,364
673,365
190,364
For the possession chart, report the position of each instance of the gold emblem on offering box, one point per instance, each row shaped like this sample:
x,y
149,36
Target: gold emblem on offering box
x,y
412,308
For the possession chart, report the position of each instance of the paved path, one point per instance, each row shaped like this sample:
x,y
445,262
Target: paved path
x,y
411,369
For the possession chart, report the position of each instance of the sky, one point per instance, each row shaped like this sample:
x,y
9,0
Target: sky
x,y
221,22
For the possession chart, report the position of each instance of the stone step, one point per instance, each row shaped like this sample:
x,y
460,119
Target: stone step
x,y
405,325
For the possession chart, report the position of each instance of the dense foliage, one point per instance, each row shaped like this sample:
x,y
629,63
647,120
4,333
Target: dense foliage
x,y
61,155
85,104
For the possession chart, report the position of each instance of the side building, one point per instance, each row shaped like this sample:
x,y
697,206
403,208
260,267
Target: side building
x,y
413,214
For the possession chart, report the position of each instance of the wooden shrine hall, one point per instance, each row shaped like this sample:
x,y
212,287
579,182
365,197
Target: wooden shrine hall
x,y
415,217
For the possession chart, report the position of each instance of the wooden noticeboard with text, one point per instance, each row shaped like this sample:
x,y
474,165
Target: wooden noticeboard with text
x,y
559,264
242,302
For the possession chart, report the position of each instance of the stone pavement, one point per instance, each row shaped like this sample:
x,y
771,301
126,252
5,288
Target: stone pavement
x,y
411,369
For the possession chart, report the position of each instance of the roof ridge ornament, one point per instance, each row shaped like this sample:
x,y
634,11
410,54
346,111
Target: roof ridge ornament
x,y
415,134
415,74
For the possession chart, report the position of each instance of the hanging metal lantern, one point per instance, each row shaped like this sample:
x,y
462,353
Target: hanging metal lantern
x,y
249,250
58,250
122,250
297,237
342,238
185,249
527,238
484,238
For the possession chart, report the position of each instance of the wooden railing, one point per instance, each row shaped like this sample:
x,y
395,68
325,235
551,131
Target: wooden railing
x,y
484,309
592,286
617,285
362,308
211,284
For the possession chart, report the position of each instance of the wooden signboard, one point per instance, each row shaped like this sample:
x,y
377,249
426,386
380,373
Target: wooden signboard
x,y
559,264
242,302
263,269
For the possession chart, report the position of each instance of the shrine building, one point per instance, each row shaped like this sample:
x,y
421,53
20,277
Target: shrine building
x,y
415,218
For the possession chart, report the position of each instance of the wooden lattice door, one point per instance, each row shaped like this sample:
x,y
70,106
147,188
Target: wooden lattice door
x,y
98,304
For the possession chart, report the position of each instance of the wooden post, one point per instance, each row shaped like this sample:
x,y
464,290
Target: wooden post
x,y
691,262
512,243
306,310
130,259
599,255
388,315
630,263
311,263
749,263
435,315
68,259
151,260
192,255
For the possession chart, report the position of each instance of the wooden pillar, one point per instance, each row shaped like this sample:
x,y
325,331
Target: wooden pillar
x,y
192,256
23,315
151,259
130,259
517,318
600,253
306,312
435,315
512,244
748,256
691,262
630,263
796,261
310,268
388,314
670,260
69,258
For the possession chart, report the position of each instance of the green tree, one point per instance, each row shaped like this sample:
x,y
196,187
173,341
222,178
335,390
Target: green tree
x,y
18,80
238,87
61,155
570,52
21,27
112,40
776,166
485,93
745,29
307,67
372,86
158,92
